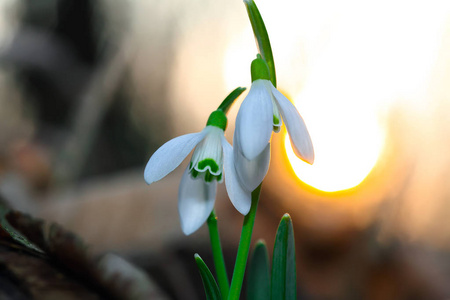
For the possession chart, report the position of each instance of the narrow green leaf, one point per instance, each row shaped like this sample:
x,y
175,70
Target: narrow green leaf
x,y
209,283
219,261
284,277
262,38
258,283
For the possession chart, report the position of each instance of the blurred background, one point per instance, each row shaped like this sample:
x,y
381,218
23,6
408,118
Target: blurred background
x,y
90,89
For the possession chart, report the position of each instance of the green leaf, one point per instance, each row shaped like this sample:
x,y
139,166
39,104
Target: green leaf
x,y
209,283
262,38
219,261
284,278
258,283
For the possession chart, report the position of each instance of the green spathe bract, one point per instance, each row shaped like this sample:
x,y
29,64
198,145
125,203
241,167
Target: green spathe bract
x,y
262,37
229,100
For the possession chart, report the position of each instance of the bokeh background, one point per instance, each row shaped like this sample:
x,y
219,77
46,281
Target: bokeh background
x,y
90,89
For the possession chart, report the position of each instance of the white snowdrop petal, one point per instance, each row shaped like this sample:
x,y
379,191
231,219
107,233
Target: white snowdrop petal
x,y
195,202
298,133
254,120
240,198
251,172
210,148
170,155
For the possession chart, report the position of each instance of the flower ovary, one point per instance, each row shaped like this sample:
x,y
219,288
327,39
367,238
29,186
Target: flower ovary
x,y
218,119
259,69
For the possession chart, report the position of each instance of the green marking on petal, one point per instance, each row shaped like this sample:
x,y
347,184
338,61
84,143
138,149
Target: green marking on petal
x,y
206,169
208,162
194,173
218,119
259,69
276,121
276,124
208,176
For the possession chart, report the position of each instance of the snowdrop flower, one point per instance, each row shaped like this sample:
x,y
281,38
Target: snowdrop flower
x,y
262,112
212,158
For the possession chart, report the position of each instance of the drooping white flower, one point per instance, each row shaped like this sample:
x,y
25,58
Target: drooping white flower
x,y
212,158
262,112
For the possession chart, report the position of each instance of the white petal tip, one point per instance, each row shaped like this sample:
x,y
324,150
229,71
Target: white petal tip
x,y
149,176
309,161
306,156
309,158
244,211
188,230
148,179
243,206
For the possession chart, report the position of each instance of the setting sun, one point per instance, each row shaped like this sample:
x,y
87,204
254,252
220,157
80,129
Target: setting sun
x,y
353,83
345,153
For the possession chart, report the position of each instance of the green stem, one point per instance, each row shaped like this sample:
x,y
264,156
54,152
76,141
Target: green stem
x,y
244,247
219,261
262,37
229,100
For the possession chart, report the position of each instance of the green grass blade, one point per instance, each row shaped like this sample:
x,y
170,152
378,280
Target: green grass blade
x,y
284,277
209,283
258,283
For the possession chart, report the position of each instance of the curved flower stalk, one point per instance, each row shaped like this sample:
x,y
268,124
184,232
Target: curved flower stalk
x,y
212,158
262,112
